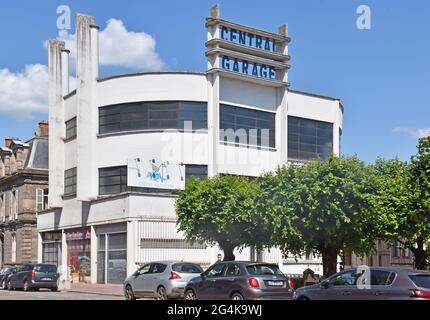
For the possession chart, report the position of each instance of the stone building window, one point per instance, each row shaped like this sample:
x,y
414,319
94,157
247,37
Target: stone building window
x,y
14,204
41,199
13,250
2,208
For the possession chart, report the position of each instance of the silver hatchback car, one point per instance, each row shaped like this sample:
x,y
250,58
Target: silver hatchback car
x,y
161,280
378,283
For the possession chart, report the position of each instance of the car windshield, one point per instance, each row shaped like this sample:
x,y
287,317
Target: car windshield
x,y
263,269
421,280
187,268
7,269
45,268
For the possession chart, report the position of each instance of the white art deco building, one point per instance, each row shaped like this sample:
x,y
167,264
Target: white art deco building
x,y
107,214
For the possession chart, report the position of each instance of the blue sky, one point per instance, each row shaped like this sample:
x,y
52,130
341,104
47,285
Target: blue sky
x,y
382,75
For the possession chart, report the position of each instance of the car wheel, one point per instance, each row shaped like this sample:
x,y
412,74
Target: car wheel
x,y
302,298
190,295
129,295
237,296
9,286
36,289
161,293
26,287
55,289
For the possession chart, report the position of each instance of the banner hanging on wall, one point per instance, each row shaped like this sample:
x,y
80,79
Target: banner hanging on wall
x,y
149,174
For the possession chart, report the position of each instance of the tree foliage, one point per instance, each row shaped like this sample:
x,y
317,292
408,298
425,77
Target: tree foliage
x,y
321,207
220,210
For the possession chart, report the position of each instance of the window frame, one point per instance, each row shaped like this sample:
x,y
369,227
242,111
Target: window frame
x,y
230,117
122,175
71,126
309,139
73,185
152,116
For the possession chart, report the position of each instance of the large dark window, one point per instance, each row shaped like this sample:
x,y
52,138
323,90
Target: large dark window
x,y
71,129
194,170
247,126
70,182
309,139
112,180
155,115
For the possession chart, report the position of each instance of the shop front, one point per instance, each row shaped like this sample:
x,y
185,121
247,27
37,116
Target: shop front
x,y
111,253
51,247
79,254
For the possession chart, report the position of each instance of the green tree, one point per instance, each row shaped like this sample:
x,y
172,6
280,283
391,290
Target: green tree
x,y
402,202
220,210
321,207
417,231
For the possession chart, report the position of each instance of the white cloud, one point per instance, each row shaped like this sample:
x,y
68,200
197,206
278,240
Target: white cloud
x,y
24,91
27,90
414,133
121,48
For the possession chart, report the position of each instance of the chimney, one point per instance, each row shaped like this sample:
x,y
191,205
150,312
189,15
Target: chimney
x,y
8,142
43,129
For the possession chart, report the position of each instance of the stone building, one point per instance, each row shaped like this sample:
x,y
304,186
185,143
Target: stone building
x,y
23,192
385,256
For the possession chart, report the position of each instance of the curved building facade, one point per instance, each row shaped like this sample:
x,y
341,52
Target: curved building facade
x,y
239,117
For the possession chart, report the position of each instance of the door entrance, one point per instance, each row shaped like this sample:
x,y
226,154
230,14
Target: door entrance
x,y
112,258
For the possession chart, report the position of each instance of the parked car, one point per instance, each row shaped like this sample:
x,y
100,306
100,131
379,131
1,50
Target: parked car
x,y
161,280
34,277
239,280
378,284
4,275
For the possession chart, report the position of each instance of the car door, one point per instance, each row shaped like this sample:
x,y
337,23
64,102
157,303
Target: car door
x,y
19,282
381,286
207,287
15,276
342,286
229,281
154,278
140,282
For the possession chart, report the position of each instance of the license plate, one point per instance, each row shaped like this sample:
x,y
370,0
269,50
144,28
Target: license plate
x,y
275,283
46,279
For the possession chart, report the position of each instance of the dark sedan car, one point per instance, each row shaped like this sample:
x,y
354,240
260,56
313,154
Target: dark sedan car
x,y
239,280
373,283
34,277
5,273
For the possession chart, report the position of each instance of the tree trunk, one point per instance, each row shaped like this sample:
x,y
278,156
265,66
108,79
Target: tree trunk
x,y
227,248
329,259
420,255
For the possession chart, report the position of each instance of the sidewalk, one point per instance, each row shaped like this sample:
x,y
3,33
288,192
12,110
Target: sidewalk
x,y
102,289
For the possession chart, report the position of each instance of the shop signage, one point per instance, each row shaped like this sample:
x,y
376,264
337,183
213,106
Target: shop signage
x,y
150,174
246,51
78,234
248,39
248,68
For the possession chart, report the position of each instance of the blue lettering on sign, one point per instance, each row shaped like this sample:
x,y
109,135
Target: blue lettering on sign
x,y
248,39
154,175
248,68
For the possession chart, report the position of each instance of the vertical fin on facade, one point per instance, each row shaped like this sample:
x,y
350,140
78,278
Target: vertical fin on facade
x,y
56,120
215,11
